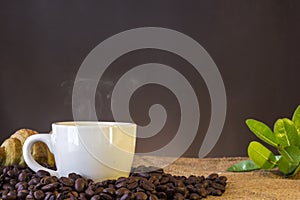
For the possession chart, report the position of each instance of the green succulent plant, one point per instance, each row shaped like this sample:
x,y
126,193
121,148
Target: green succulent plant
x,y
285,138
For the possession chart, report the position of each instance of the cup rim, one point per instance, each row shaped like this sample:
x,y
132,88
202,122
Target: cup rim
x,y
92,123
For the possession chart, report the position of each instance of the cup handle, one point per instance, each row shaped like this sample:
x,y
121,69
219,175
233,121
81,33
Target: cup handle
x,y
34,165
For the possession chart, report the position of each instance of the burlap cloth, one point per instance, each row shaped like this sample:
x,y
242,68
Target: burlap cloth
x,y
247,185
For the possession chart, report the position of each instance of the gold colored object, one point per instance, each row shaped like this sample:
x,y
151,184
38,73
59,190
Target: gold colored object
x,y
11,150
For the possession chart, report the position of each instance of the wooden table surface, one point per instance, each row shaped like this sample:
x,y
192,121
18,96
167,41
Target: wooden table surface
x,y
261,184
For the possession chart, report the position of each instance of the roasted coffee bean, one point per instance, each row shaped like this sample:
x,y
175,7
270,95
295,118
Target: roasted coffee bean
x,y
153,197
212,176
121,179
194,196
164,179
206,183
65,189
132,185
109,191
42,173
121,184
66,181
140,196
170,193
221,180
39,194
147,185
180,189
34,181
11,173
105,196
161,195
49,196
11,195
202,192
22,194
39,186
218,186
50,187
121,191
99,190
21,186
22,176
29,197
161,188
89,192
49,179
178,196
80,184
95,197
216,192
60,196
74,176
127,196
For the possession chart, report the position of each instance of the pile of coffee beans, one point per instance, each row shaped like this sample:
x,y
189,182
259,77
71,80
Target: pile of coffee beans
x,y
143,183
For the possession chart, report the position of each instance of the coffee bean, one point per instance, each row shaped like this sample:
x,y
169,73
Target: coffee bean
x,y
127,196
11,195
89,192
39,194
218,186
195,196
105,196
164,179
80,184
95,197
121,184
153,197
178,196
65,189
42,173
22,176
29,197
162,195
99,190
11,173
161,188
109,191
34,181
202,192
121,191
48,179
180,189
148,185
66,181
216,192
39,186
22,194
49,196
212,176
74,176
140,196
132,185
50,187
21,186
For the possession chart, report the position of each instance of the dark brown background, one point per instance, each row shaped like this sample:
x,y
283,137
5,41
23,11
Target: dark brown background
x,y
255,45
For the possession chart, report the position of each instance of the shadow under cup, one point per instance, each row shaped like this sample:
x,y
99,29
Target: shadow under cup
x,y
95,150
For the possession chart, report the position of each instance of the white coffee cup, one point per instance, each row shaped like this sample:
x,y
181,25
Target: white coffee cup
x,y
95,150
